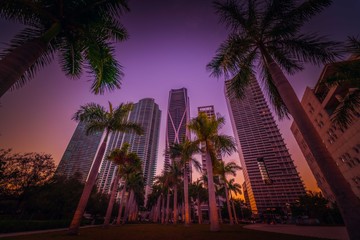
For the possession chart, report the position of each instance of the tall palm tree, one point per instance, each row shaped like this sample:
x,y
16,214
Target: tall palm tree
x,y
206,130
236,189
98,119
136,187
267,35
184,152
347,74
81,32
120,157
223,169
198,192
173,178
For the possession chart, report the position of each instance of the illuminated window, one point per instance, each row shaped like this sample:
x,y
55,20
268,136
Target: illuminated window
x,y
263,170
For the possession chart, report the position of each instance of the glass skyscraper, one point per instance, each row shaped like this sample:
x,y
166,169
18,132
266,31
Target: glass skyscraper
x,y
271,178
178,116
146,113
80,153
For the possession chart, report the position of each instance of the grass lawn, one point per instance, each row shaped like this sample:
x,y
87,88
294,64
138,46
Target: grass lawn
x,y
163,232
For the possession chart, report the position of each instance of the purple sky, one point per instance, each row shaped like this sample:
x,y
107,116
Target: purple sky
x,y
170,44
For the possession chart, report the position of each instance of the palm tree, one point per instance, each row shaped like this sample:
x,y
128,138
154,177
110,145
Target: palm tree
x,y
206,130
269,33
236,189
173,178
120,157
183,152
136,197
131,166
222,170
347,74
79,31
198,192
98,119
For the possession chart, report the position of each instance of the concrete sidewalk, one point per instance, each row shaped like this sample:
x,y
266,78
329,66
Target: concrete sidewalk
x,y
309,231
3,235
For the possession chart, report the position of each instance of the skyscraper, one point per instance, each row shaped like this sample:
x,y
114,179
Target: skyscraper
x,y
146,113
178,116
80,153
320,105
271,178
210,112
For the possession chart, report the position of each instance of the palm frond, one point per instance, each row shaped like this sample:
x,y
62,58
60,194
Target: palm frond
x,y
93,127
273,11
232,55
308,9
311,48
231,14
27,35
353,46
236,86
285,62
90,112
224,143
345,72
130,127
348,110
292,17
105,69
20,11
272,93
71,58
197,165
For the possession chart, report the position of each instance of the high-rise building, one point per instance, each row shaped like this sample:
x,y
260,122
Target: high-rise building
x,y
80,153
178,116
320,104
210,112
271,178
146,113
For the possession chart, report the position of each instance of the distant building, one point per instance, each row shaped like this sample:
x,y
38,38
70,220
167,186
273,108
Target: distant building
x,y
178,116
210,112
271,178
146,113
80,153
320,104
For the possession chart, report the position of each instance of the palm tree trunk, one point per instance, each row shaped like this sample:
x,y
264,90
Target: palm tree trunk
x,y
121,205
199,210
157,210
111,200
348,202
228,205
213,214
167,207
175,205
163,209
128,206
17,62
186,196
234,212
75,223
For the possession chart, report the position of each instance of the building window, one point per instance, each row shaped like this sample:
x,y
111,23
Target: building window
x,y
263,171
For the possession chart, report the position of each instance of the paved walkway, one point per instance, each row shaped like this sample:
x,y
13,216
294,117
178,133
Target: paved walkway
x,y
3,235
310,231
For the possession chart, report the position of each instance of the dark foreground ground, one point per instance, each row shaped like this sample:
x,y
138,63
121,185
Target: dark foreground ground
x,y
163,232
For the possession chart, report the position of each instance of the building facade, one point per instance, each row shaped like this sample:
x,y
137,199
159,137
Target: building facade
x,y
178,116
210,112
146,113
271,178
80,153
343,144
